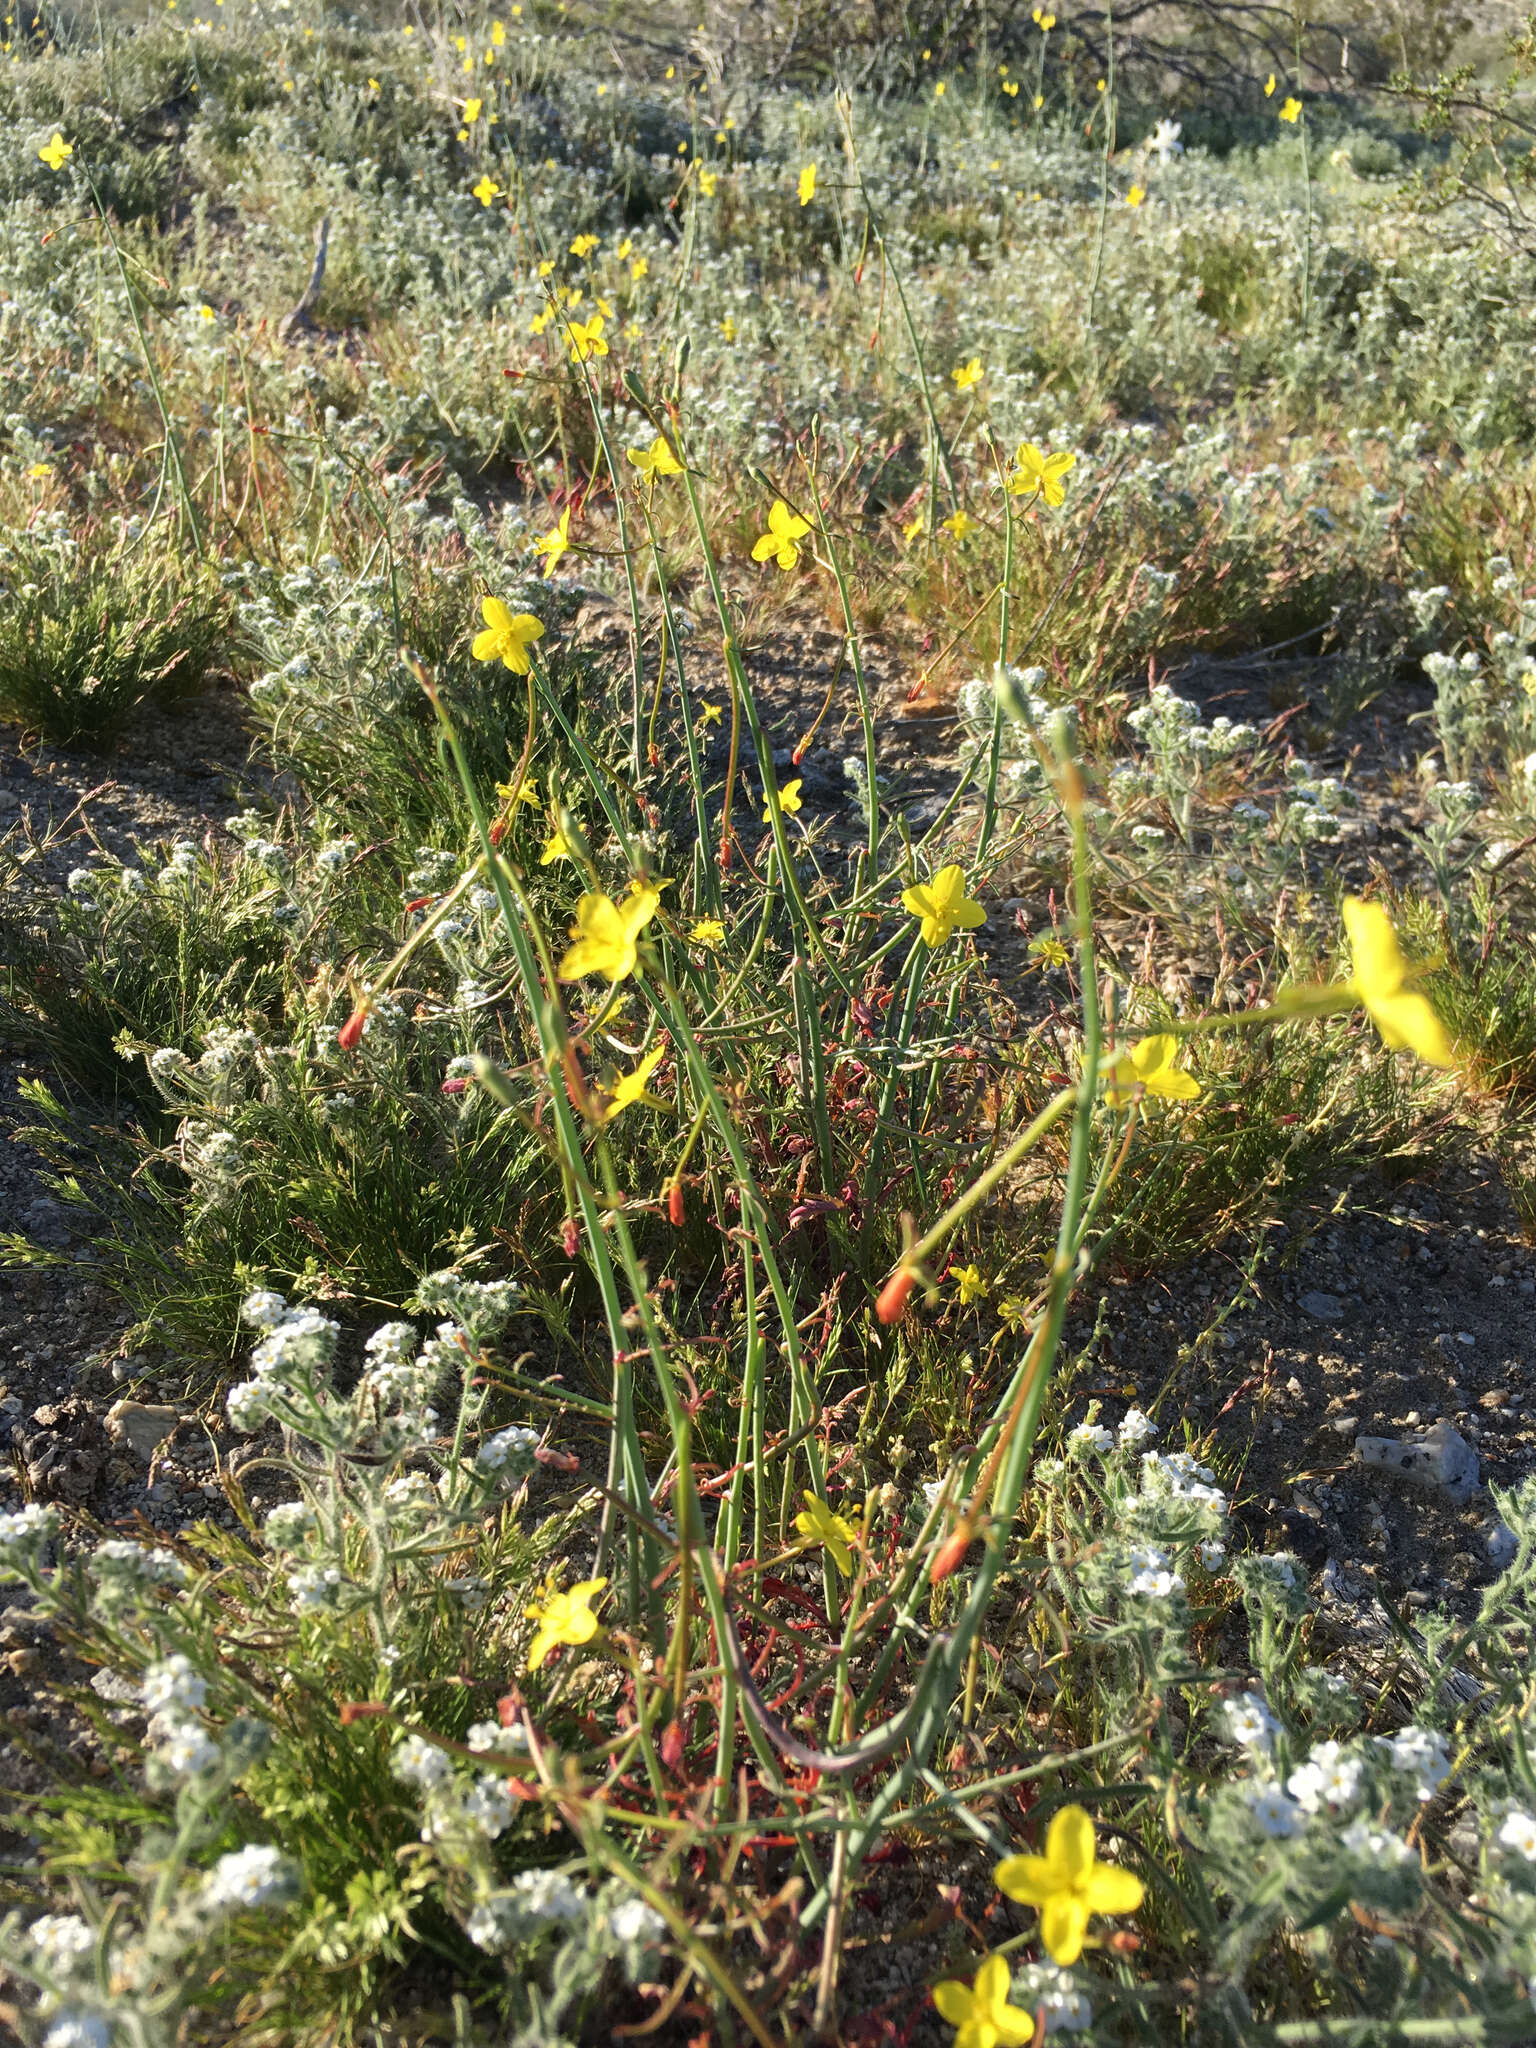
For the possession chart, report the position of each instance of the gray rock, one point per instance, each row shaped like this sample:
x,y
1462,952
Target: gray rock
x,y
1501,1543
1327,1308
1441,1461
141,1427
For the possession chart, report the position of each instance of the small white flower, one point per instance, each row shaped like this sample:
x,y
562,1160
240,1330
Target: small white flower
x,y
1419,1753
185,1748
1375,1845
1151,1576
1519,1833
1135,1428
488,1805
510,1451
62,1940
1249,1723
287,1525
548,1895
1043,1988
632,1921
172,1683
420,1763
1278,1816
1090,1436
482,1736
253,1876
1328,1778
78,2030
492,1925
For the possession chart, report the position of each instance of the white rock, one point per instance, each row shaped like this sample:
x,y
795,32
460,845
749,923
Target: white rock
x,y
1441,1461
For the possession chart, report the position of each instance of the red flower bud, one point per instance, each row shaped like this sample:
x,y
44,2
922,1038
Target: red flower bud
x,y
951,1552
675,1210
352,1030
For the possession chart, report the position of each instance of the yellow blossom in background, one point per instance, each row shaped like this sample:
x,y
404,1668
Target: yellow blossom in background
x,y
554,543
960,524
629,1088
56,152
912,528
1136,195
498,34
625,250
1049,950
789,801
604,935
1269,86
708,180
807,184
728,330
1068,1884
938,90
1043,21
207,315
971,1284
942,904
524,792
462,136
785,528
563,1618
1380,982
980,2009
584,245
486,190
707,932
655,461
586,338
39,470
710,714
546,267
472,112
1150,1065
556,847
1039,475
834,1533
638,268
968,374
507,636
1291,111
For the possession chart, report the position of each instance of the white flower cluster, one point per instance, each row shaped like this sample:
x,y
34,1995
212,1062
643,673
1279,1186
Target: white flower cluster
x,y
1043,1988
125,1573
257,1875
62,1942
1328,1780
537,1902
23,1533
509,1454
1419,1754
290,1365
479,1307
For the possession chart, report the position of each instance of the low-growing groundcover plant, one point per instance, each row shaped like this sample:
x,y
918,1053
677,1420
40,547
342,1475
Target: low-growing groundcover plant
x,y
594,1116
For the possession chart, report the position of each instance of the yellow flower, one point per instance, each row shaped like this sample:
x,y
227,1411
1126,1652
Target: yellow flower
x,y
968,374
556,847
942,904
1135,196
57,152
638,268
1012,89
1380,982
39,470
789,801
727,330
1043,21
563,1618
1269,86
498,34
913,528
604,935
625,250
546,267
938,90
207,315
1291,111
507,636
784,529
1149,1065
707,932
710,714
960,524
524,792
487,189
584,245
554,544
1068,1883
708,180
1049,950
1039,475
630,1088
655,461
819,1525
980,2009
587,340
807,184
472,112
970,1283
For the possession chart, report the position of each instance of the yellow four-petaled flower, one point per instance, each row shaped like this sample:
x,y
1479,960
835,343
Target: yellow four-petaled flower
x,y
1068,1884
655,461
1380,982
1037,474
835,1533
563,1618
942,904
980,2009
785,530
56,152
1149,1065
604,934
507,637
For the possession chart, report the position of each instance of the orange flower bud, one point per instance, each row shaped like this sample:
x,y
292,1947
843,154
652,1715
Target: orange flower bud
x,y
894,1295
952,1551
675,1211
